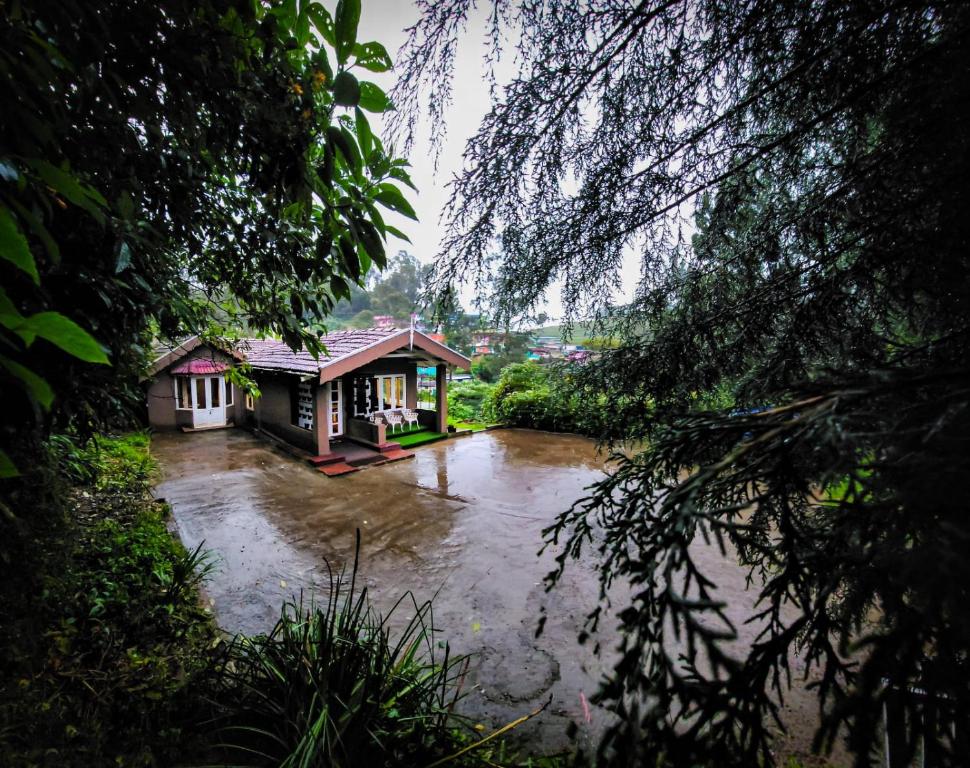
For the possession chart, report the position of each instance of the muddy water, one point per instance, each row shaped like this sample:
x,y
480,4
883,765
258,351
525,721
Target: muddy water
x,y
461,522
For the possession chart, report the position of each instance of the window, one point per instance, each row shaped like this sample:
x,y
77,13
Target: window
x,y
200,394
215,386
391,392
228,393
183,393
250,402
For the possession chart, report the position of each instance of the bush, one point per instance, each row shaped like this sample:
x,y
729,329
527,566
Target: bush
x,y
107,657
329,686
465,399
544,397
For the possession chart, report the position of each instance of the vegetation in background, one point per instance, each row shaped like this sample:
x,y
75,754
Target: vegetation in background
x,y
546,397
507,347
465,399
394,292
578,332
816,328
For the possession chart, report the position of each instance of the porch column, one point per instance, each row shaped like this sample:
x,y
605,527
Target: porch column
x,y
441,397
321,419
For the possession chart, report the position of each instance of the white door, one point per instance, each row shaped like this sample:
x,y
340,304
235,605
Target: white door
x,y
209,401
336,409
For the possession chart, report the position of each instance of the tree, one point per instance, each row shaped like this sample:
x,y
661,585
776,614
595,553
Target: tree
x,y
394,292
174,168
803,359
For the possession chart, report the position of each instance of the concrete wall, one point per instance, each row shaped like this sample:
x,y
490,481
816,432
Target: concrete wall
x,y
162,413
274,411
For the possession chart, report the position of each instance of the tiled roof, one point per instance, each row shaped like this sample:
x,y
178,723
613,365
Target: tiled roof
x,y
270,354
199,367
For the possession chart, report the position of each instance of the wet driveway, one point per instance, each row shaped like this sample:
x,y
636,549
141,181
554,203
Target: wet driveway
x,y
461,522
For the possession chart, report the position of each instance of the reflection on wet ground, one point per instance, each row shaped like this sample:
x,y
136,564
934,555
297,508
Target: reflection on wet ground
x,y
461,523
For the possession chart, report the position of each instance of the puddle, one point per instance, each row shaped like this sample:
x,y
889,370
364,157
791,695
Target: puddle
x,y
461,522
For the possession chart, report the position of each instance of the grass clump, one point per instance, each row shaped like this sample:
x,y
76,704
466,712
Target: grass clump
x,y
332,685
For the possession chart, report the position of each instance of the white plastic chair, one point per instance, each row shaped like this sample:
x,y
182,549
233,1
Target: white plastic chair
x,y
394,419
411,417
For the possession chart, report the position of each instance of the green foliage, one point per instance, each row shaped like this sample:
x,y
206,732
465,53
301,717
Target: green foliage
x,y
544,397
331,684
107,657
506,348
395,293
815,328
213,170
466,398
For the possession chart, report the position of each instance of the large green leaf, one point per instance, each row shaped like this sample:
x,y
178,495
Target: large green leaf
x,y
323,22
343,142
37,387
398,234
63,332
10,317
373,99
390,197
365,136
14,247
64,183
345,27
7,468
346,89
372,56
39,231
372,243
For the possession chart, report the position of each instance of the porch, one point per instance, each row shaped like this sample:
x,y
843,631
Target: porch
x,y
358,406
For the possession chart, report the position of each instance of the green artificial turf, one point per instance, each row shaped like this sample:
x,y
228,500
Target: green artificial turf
x,y
416,437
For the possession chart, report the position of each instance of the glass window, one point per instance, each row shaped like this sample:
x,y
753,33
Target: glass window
x,y
200,393
250,402
183,392
391,390
386,392
228,393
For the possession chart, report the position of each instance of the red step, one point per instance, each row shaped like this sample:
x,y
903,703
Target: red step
x,y
326,458
335,470
398,454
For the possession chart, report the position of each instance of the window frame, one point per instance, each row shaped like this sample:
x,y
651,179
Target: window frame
x,y
380,391
189,390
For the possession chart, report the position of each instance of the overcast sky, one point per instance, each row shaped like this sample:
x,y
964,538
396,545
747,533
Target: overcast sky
x,y
385,21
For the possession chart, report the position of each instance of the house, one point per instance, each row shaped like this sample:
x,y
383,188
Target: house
x,y
188,387
309,403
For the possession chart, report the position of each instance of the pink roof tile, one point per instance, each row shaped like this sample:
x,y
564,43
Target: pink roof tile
x,y
199,367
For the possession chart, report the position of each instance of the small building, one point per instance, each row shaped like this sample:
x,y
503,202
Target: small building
x,y
308,403
188,388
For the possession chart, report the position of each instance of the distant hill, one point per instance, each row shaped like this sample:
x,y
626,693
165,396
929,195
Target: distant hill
x,y
580,332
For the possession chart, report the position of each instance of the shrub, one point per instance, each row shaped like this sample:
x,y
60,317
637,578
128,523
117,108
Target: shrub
x,y
530,395
329,686
108,654
465,399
